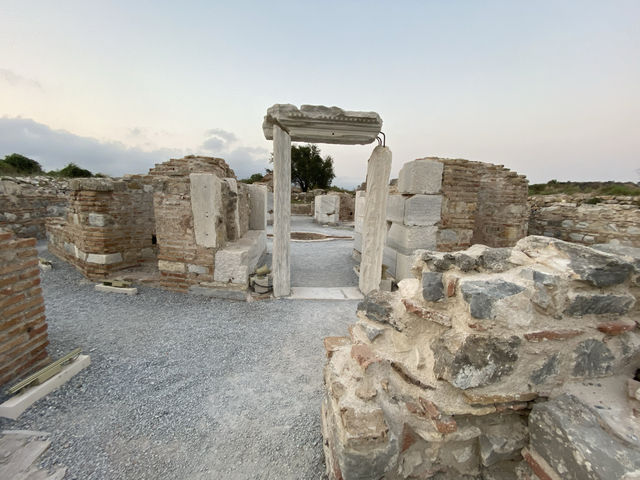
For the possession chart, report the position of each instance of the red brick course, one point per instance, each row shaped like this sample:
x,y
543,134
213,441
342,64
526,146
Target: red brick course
x,y
23,327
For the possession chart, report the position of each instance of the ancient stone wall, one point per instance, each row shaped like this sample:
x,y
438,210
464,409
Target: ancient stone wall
x,y
438,379
23,326
586,219
26,203
109,225
203,220
448,205
481,203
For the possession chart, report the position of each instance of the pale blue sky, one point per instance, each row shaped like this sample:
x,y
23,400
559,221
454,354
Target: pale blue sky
x,y
549,89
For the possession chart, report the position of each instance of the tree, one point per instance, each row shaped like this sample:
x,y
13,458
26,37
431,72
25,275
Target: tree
x,y
73,171
22,164
308,169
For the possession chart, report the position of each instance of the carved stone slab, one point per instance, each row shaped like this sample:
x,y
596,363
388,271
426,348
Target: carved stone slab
x,y
320,124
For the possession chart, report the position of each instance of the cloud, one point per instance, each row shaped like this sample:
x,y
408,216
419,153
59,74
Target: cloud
x,y
15,80
228,137
56,148
244,161
213,145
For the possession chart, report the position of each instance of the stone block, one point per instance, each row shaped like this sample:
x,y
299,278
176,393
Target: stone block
x,y
235,262
257,207
395,208
175,267
421,176
432,286
483,295
475,360
327,209
569,436
389,259
357,241
361,201
405,239
110,289
97,220
104,259
597,304
423,210
207,207
199,269
404,264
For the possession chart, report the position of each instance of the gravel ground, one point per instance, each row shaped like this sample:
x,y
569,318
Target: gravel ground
x,y
183,387
320,264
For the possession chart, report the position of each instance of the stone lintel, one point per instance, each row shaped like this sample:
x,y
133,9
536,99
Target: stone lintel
x,y
320,124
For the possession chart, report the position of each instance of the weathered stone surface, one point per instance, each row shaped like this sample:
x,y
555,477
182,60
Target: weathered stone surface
x,y
373,228
206,204
616,327
590,304
395,208
376,306
427,314
421,176
559,334
432,286
238,260
477,362
327,209
592,358
567,434
423,210
548,369
406,239
257,207
281,257
482,296
320,124
104,259
502,440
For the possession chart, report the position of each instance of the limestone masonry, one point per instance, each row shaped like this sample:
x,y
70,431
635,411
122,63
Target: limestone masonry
x,y
448,205
26,203
586,219
484,365
23,326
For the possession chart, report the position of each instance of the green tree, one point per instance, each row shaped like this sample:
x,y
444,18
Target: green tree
x,y
22,164
256,177
73,171
308,169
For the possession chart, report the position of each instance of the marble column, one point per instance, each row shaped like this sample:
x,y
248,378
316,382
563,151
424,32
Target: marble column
x,y
374,228
281,212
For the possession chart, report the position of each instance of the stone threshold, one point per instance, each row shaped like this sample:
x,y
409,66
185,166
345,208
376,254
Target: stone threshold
x,y
325,293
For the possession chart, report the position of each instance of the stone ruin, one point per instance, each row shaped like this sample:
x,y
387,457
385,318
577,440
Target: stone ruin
x,y
334,208
189,217
491,363
447,205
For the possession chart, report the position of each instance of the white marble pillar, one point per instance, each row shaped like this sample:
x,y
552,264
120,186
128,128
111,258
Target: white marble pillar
x,y
281,212
374,228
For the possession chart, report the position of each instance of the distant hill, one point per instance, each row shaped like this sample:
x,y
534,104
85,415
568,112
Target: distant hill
x,y
596,188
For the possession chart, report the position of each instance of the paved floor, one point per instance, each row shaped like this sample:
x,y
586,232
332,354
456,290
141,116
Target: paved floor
x,y
185,387
320,264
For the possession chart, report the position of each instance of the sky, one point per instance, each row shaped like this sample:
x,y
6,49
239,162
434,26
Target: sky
x,y
550,89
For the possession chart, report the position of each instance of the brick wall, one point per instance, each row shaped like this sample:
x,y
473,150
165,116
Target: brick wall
x,y
182,261
482,203
580,219
26,203
109,225
23,327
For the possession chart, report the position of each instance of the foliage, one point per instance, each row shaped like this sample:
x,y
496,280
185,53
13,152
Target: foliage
x,y
308,169
256,177
71,171
21,164
334,188
597,188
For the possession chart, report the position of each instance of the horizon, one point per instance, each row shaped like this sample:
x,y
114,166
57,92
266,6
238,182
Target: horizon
x,y
547,90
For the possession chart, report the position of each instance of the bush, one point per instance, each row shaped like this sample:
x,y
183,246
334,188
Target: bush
x,y
256,177
6,169
72,171
22,164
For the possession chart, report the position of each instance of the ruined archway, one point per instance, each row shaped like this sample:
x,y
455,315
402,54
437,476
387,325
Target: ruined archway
x,y
318,124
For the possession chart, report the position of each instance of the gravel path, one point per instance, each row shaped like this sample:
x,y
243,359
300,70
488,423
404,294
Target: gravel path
x,y
320,264
182,387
